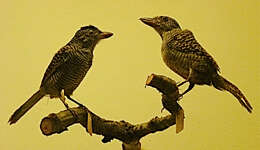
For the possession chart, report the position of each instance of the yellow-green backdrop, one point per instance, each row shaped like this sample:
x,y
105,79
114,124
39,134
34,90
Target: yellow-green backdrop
x,y
32,31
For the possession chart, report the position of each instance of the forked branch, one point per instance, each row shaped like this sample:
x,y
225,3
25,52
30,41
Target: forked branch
x,y
124,131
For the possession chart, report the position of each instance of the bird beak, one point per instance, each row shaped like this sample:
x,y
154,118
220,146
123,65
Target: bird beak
x,y
149,21
105,35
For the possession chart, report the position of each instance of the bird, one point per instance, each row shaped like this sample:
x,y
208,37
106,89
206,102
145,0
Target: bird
x,y
66,70
183,54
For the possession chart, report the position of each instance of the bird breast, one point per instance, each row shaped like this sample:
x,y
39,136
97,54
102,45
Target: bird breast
x,y
175,60
68,76
73,74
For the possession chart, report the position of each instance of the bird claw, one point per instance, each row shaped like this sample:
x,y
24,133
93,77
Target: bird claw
x,y
89,124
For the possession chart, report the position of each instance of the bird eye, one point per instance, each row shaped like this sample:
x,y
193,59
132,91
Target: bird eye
x,y
165,19
91,32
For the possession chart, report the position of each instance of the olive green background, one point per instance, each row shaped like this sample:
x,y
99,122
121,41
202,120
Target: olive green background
x,y
32,31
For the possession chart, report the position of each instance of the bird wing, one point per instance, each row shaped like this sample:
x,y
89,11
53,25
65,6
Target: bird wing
x,y
61,57
186,43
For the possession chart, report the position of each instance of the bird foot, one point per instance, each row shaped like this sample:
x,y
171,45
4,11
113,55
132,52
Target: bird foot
x,y
63,99
89,122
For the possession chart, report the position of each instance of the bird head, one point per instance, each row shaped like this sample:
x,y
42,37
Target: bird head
x,y
90,35
161,23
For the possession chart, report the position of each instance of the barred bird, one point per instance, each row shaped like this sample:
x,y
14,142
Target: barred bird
x,y
66,70
185,56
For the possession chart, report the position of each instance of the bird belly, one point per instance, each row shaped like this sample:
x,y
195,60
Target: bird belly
x,y
176,62
68,79
72,78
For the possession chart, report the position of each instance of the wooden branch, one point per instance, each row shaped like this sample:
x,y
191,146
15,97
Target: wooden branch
x,y
126,132
121,130
163,84
170,96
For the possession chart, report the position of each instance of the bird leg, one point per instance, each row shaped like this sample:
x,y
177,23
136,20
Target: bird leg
x,y
74,101
189,88
182,83
190,72
62,98
188,80
89,126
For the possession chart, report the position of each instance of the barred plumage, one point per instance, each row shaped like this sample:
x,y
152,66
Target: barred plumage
x,y
184,55
181,52
67,68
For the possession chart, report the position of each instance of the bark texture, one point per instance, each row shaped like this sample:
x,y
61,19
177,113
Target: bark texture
x,y
124,131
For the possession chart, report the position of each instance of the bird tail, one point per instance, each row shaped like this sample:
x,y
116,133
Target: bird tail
x,y
221,83
25,107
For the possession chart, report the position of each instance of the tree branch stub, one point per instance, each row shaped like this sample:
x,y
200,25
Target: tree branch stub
x,y
170,96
